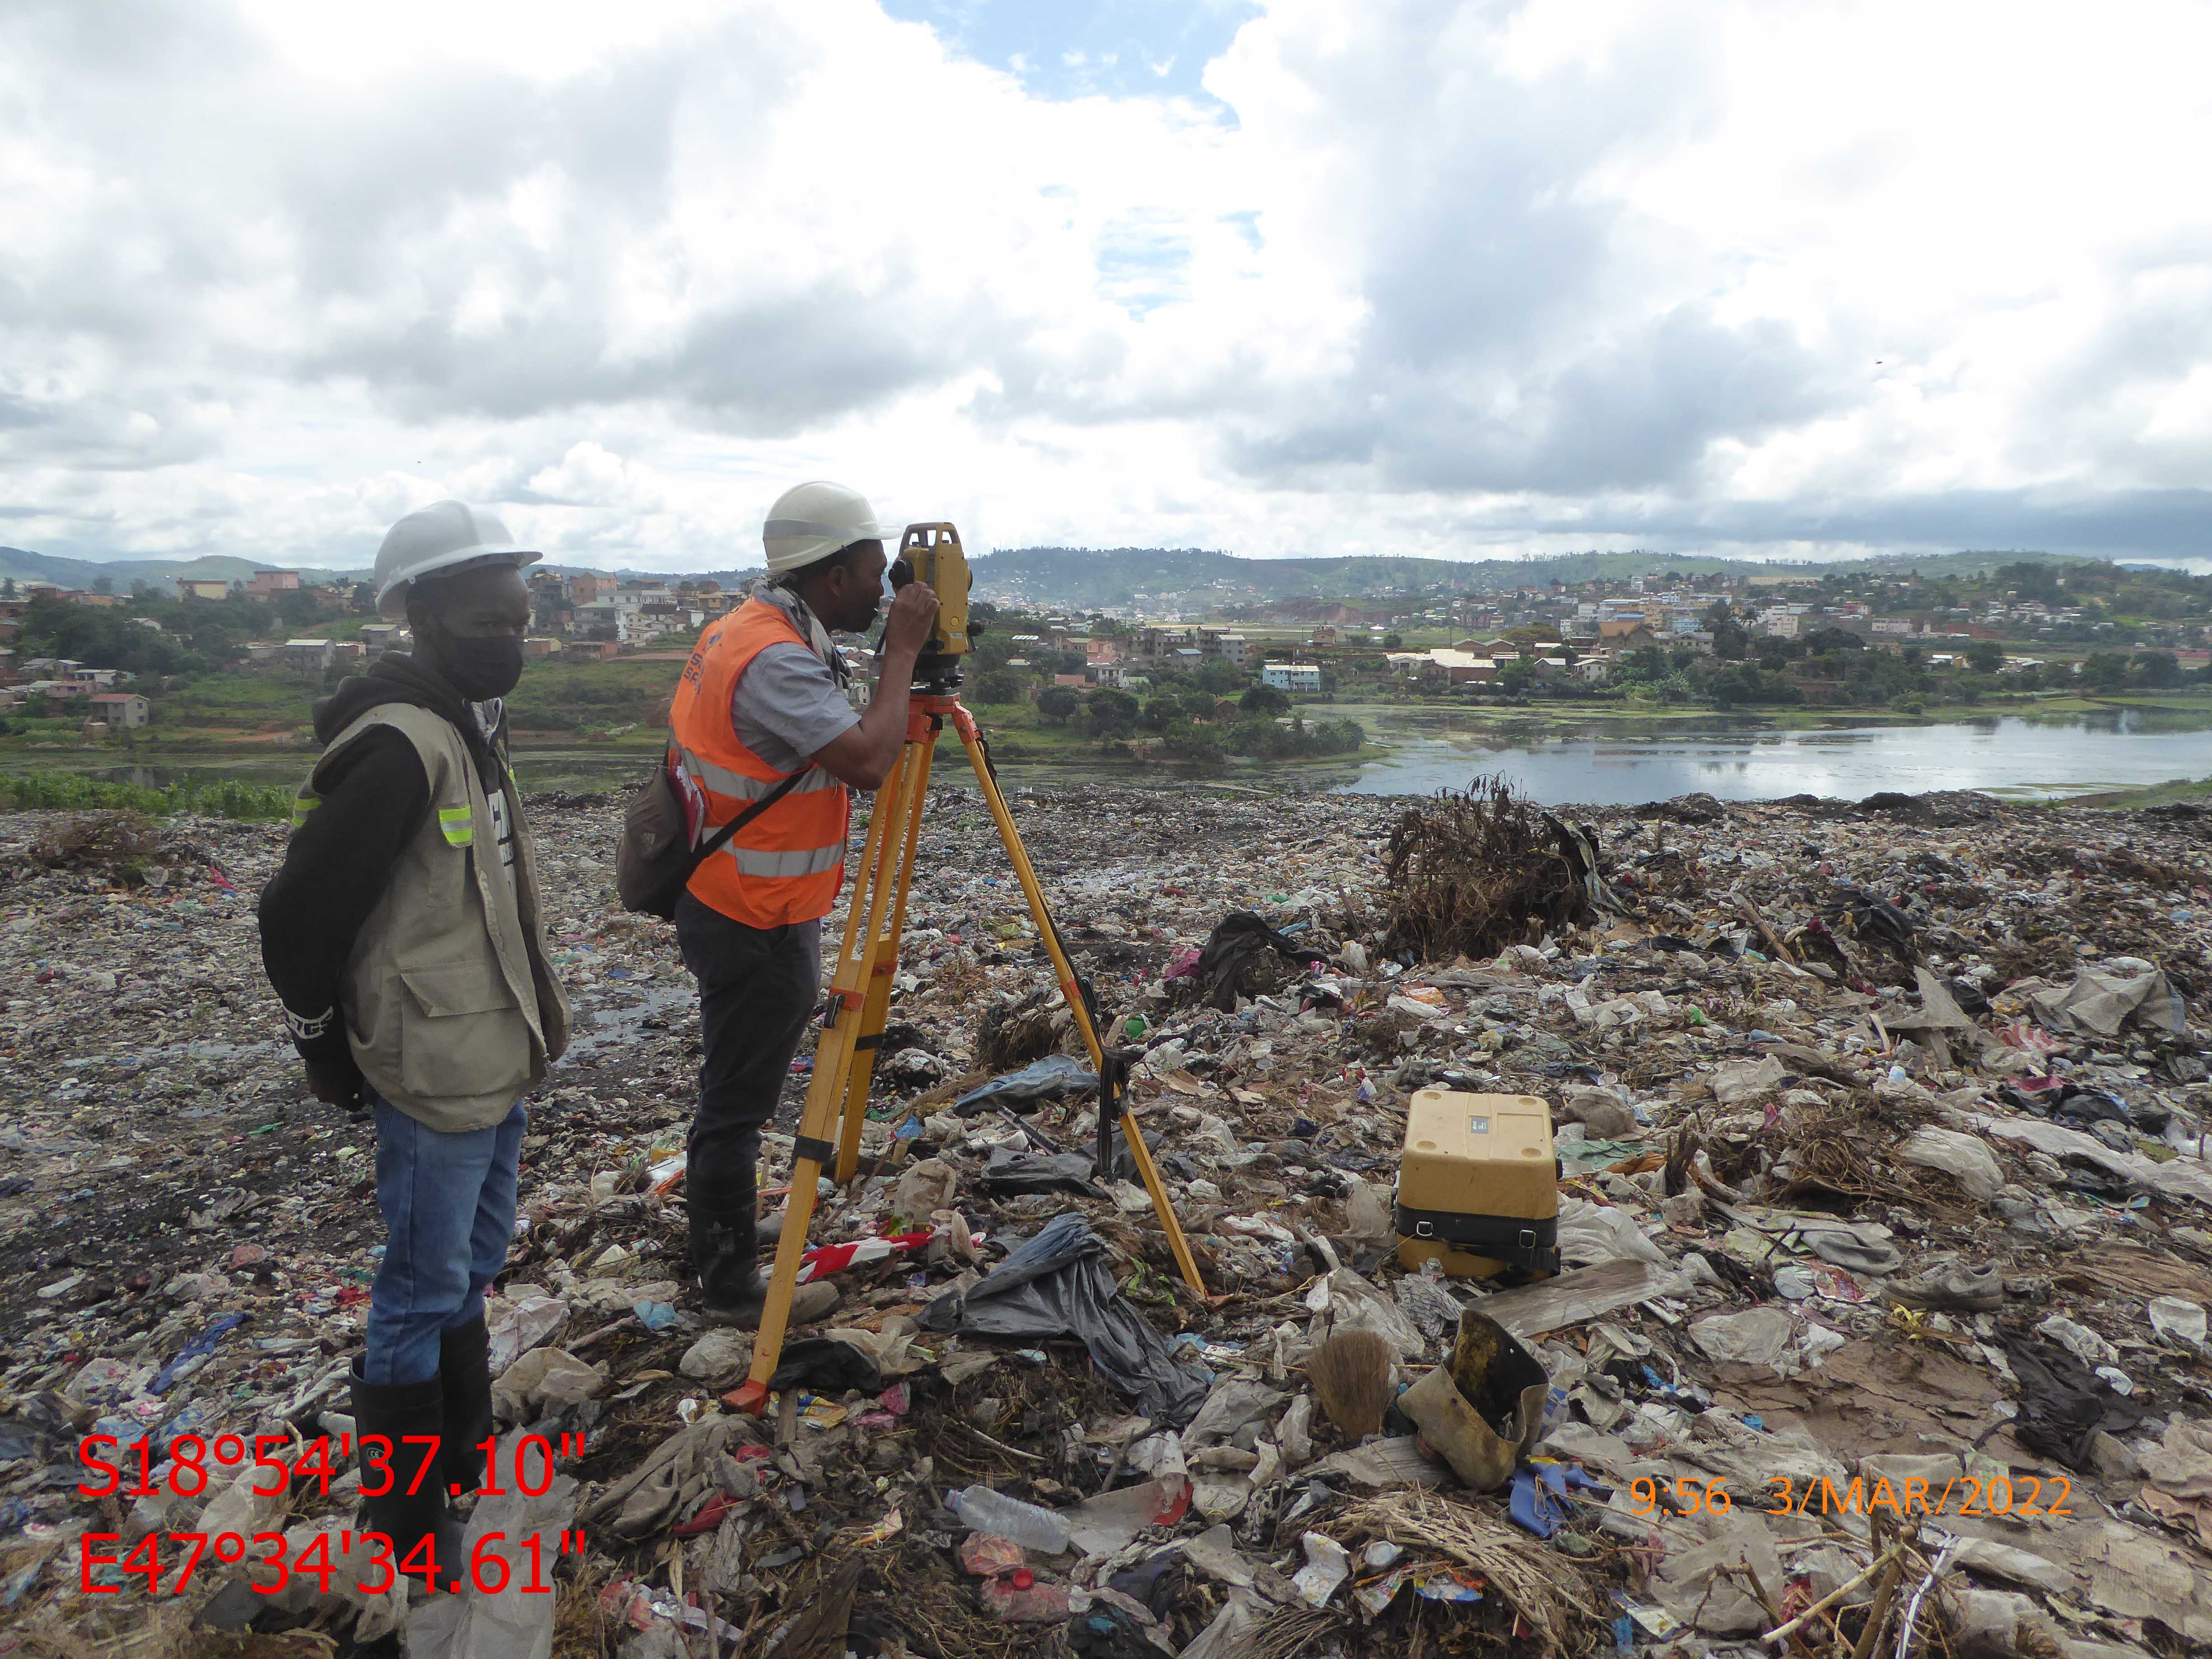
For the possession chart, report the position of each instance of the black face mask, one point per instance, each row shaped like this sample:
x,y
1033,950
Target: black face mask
x,y
483,668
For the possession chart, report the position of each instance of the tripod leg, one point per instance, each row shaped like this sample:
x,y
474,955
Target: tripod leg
x,y
1034,892
833,1059
885,958
1024,873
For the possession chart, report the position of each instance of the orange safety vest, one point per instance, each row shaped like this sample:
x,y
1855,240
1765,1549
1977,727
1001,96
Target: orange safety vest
x,y
788,863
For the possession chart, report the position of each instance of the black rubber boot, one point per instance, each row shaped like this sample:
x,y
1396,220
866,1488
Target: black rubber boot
x,y
464,1376
733,1286
393,1411
724,1254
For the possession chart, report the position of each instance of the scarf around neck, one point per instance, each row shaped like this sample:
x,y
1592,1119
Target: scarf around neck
x,y
810,629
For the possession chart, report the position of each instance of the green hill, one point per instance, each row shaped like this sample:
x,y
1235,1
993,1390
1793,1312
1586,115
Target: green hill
x,y
1193,579
21,566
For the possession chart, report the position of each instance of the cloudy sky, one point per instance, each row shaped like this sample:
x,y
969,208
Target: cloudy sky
x,y
1279,276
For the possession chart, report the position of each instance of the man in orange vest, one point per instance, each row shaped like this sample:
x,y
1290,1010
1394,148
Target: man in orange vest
x,y
761,711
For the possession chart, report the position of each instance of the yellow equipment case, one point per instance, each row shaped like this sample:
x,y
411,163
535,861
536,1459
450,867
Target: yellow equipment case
x,y
1478,1185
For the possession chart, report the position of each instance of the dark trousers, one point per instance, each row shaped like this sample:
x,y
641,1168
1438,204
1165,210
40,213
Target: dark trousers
x,y
757,988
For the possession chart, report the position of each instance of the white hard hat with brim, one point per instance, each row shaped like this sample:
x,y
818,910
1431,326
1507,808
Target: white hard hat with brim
x,y
810,522
442,539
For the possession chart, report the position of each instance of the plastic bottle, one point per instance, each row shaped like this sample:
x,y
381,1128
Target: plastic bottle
x,y
1032,1527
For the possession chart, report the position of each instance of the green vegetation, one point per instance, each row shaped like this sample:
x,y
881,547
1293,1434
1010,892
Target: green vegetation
x,y
1267,739
269,702
2171,792
69,790
585,697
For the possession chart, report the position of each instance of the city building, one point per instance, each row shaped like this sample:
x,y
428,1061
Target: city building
x,y
1290,676
122,710
310,656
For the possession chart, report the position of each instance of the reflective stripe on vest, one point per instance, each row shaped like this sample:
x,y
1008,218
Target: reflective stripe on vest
x,y
753,862
786,865
737,787
459,827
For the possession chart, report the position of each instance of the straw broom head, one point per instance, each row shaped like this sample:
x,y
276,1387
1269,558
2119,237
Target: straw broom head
x,y
1351,1372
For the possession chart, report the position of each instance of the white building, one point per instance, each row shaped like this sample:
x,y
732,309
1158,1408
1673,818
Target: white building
x,y
1292,675
1781,622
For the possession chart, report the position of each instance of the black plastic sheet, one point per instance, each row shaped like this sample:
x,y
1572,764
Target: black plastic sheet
x,y
1235,939
827,1366
1044,1079
2062,1402
1058,1284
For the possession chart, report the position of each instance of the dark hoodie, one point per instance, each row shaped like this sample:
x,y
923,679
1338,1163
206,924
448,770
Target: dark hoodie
x,y
339,860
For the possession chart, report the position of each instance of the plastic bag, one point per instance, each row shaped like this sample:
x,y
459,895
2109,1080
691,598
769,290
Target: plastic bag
x,y
1057,1284
1045,1079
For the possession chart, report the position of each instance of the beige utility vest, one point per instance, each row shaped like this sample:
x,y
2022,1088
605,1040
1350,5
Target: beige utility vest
x,y
450,1008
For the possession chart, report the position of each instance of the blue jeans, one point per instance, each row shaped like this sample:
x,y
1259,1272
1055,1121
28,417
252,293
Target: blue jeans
x,y
448,1204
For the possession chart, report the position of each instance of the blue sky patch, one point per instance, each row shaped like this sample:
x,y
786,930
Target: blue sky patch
x,y
1122,48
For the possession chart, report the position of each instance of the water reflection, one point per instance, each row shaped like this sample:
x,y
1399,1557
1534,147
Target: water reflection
x,y
2002,754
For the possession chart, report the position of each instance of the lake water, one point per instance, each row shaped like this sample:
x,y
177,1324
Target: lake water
x,y
2008,756
1432,749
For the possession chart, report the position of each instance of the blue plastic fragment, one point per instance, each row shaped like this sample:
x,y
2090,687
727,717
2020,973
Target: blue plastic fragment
x,y
200,1345
1538,1502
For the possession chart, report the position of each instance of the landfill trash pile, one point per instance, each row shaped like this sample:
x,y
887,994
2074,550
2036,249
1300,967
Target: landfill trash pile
x,y
1884,1219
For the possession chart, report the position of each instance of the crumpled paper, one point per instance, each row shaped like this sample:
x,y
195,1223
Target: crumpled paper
x,y
2098,1003
544,1379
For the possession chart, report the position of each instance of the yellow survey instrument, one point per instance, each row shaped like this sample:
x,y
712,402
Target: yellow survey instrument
x,y
931,554
1478,1185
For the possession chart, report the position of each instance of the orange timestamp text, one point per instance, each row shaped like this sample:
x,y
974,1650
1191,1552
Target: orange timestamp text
x,y
1964,1494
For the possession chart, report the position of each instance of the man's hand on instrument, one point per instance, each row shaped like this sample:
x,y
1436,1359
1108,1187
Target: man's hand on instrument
x,y
913,615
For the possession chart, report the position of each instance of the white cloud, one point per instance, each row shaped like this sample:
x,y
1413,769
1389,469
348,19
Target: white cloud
x,y
1425,277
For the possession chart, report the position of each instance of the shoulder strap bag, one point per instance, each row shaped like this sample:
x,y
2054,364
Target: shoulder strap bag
x,y
654,858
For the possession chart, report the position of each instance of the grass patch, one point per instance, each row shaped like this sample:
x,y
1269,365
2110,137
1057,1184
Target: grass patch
x,y
72,791
592,696
269,700
2169,794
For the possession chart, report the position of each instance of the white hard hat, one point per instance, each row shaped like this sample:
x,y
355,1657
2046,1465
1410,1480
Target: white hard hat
x,y
810,522
443,536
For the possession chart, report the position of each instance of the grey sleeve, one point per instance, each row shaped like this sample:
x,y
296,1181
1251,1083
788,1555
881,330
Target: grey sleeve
x,y
787,706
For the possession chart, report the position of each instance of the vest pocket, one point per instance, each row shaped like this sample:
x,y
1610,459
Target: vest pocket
x,y
461,1031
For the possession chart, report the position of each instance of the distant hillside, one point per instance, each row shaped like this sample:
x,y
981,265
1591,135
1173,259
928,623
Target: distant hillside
x,y
27,567
1192,578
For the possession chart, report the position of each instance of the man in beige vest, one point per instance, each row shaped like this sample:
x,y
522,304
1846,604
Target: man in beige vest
x,y
405,935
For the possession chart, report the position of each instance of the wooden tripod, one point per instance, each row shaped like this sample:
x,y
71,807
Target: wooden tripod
x,y
859,999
